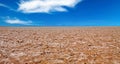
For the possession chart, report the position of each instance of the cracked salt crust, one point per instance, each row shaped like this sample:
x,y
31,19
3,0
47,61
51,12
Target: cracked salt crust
x,y
86,45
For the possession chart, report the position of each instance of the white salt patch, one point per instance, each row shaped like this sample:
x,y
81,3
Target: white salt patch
x,y
18,54
83,42
58,61
54,44
36,53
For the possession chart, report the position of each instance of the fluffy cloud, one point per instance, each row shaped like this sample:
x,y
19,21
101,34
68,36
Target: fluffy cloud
x,y
17,21
46,6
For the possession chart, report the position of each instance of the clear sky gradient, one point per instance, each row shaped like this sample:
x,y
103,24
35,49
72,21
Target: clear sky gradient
x,y
59,12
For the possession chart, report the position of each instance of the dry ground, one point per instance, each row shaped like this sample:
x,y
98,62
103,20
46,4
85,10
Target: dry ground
x,y
60,45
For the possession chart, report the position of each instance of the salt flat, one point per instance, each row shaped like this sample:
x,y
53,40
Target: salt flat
x,y
60,45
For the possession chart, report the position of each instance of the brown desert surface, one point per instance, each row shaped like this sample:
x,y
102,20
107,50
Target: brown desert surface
x,y
59,45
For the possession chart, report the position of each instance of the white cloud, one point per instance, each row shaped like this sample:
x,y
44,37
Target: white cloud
x,y
17,21
46,6
3,5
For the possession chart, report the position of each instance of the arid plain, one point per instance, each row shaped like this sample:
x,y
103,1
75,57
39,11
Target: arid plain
x,y
60,45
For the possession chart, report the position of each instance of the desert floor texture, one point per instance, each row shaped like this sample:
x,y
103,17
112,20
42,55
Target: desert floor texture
x,y
60,45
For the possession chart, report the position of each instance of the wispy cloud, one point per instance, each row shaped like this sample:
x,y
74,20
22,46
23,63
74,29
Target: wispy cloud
x,y
18,21
46,6
3,5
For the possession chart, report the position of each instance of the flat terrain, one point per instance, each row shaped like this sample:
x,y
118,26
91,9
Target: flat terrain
x,y
60,45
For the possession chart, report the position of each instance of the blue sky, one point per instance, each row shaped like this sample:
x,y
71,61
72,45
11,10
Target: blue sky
x,y
59,12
